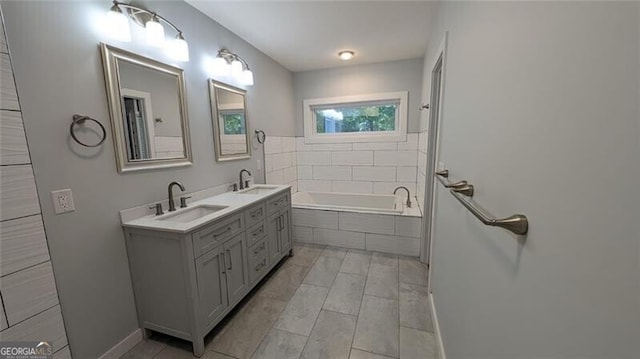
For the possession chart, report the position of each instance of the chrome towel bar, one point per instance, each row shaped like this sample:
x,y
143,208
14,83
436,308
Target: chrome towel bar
x,y
517,223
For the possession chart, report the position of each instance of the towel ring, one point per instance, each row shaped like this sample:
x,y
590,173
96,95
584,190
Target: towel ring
x,y
264,136
80,119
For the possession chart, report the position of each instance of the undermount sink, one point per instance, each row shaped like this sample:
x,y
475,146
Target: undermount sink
x,y
258,190
191,214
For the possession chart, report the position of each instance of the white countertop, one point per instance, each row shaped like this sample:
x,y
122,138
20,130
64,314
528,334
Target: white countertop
x,y
234,201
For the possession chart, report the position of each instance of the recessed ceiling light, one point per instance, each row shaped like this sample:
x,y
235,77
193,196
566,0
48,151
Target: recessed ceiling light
x,y
346,55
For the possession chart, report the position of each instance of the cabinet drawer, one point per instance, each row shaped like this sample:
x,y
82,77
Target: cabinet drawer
x,y
255,214
277,203
258,269
258,251
256,232
208,238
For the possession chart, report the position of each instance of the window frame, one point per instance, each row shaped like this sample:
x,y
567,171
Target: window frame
x,y
400,134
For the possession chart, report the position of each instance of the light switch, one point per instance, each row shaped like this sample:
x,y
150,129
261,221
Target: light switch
x,y
62,201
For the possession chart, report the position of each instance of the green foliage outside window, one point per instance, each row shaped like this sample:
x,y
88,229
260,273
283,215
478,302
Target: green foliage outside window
x,y
376,118
233,123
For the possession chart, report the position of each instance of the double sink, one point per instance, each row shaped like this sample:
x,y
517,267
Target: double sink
x,y
197,212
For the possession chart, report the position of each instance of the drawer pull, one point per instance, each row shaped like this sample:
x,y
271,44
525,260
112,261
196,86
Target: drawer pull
x,y
230,260
259,249
256,213
261,265
222,233
257,232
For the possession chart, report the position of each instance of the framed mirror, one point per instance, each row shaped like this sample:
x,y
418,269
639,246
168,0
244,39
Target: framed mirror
x,y
148,111
230,123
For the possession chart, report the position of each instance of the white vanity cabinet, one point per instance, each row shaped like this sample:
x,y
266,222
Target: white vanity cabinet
x,y
185,283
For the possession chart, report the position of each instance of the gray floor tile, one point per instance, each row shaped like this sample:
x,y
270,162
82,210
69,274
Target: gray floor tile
x,y
359,354
412,271
382,280
145,350
279,344
356,263
323,271
331,337
302,310
416,344
283,284
243,333
377,328
346,294
215,355
414,307
384,258
305,255
335,252
171,352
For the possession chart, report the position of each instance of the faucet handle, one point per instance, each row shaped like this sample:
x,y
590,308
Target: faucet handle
x,y
183,201
158,208
246,184
235,187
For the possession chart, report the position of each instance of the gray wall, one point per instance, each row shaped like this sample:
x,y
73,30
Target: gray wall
x,y
58,70
403,75
541,114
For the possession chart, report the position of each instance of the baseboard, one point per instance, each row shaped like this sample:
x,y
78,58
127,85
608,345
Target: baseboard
x,y
436,329
124,346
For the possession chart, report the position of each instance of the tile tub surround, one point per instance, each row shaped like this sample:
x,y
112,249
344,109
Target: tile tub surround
x,y
348,322
397,234
280,161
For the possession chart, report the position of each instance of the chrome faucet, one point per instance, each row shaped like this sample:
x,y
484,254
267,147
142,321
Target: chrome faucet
x,y
172,204
242,184
408,194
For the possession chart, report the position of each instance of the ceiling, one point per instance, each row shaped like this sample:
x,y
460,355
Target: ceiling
x,y
307,35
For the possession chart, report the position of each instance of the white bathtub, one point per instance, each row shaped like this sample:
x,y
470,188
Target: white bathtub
x,y
361,221
376,203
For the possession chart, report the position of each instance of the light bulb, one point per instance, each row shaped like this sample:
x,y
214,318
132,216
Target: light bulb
x,y
246,78
220,67
345,55
236,68
118,24
178,49
154,32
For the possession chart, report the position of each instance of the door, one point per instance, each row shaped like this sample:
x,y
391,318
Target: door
x,y
273,240
212,293
285,234
237,273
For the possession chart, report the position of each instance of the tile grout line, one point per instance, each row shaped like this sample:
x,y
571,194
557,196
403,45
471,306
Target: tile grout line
x,y
353,337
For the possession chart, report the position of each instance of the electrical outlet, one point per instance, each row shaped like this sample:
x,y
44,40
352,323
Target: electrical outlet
x,y
62,201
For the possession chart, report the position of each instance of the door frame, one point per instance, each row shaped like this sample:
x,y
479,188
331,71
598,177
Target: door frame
x,y
434,130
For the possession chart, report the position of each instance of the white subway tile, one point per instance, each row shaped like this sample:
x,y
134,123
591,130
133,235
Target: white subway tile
x,y
281,160
288,144
389,187
275,177
352,158
409,226
273,144
410,144
339,238
396,158
294,186
301,146
352,187
294,158
364,146
314,158
364,222
314,186
393,244
332,173
333,147
268,163
406,174
315,218
305,172
374,174
289,174
303,234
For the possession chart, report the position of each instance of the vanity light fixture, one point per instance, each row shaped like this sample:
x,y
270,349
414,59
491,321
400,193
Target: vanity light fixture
x,y
229,64
118,23
346,55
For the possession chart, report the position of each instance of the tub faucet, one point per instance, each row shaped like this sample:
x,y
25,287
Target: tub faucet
x,y
242,185
172,204
408,194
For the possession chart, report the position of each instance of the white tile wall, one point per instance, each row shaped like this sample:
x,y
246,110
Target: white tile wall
x,y
339,238
280,161
421,175
315,218
370,223
303,234
340,173
352,186
392,244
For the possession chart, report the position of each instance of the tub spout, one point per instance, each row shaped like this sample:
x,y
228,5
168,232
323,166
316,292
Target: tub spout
x,y
408,194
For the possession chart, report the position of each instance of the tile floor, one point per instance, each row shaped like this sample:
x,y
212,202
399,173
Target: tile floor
x,y
324,302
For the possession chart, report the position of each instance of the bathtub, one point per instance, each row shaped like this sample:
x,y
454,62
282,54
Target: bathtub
x,y
361,221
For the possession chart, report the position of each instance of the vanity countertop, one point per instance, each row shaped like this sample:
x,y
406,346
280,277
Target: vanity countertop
x,y
233,201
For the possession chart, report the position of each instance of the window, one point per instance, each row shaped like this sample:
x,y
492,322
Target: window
x,y
364,118
233,122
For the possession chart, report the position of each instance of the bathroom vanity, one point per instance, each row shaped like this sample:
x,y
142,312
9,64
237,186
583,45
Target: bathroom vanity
x,y
191,267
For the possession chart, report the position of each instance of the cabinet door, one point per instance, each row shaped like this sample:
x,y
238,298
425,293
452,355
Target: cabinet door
x,y
285,233
273,240
237,272
212,289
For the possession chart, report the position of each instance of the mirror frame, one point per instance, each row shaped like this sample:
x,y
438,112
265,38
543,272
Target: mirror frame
x,y
217,134
110,57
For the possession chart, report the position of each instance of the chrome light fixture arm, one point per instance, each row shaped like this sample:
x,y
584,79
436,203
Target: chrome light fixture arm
x,y
230,56
141,16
